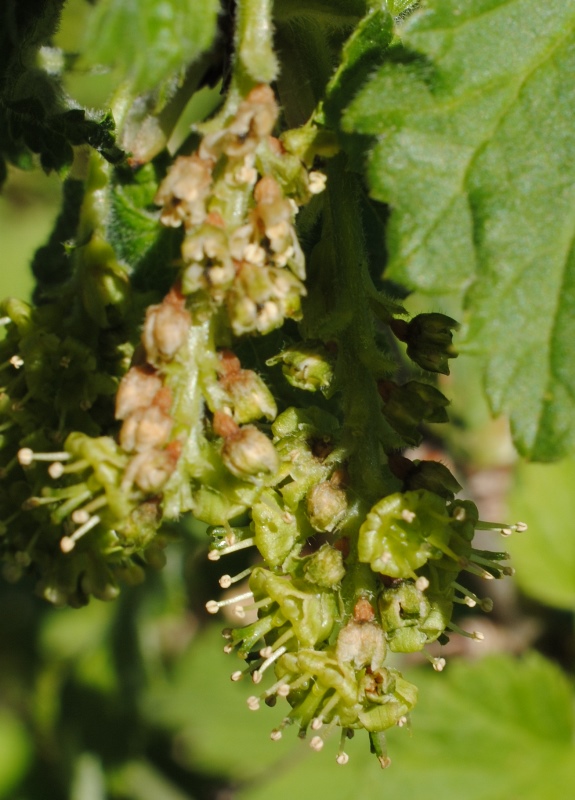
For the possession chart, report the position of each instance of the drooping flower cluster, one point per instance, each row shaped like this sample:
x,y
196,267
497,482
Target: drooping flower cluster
x,y
237,198
359,547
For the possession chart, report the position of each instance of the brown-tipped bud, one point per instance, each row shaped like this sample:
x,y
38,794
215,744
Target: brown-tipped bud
x,y
144,429
362,645
184,190
250,454
326,505
166,328
137,389
325,567
150,470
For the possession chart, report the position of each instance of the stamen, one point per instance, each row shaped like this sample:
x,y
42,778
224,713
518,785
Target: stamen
x,y
504,530
471,599
477,636
258,673
17,362
325,712
253,703
67,543
401,722
316,743
232,548
213,606
342,757
266,652
407,515
438,663
56,470
422,583
34,502
276,735
227,580
26,456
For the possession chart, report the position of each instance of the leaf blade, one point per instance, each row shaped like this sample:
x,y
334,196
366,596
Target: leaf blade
x,y
475,155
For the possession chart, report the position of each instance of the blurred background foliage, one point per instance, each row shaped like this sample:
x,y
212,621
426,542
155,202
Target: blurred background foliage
x,y
132,700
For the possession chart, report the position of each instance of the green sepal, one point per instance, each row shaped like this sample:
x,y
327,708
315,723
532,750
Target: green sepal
x,y
396,703
311,612
403,531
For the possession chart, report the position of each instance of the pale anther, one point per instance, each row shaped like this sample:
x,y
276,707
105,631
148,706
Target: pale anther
x,y
253,703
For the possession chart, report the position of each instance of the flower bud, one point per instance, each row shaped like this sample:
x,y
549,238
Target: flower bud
x,y
166,328
326,505
184,190
145,428
306,366
249,397
361,644
137,390
325,567
250,455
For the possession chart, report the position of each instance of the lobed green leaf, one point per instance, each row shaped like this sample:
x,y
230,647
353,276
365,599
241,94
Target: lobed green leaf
x,y
475,155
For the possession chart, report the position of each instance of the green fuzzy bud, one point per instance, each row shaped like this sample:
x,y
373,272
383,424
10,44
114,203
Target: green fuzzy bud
x,y
250,455
250,398
325,567
309,367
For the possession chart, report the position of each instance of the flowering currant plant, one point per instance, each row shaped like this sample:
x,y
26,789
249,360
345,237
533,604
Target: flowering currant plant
x,y
218,327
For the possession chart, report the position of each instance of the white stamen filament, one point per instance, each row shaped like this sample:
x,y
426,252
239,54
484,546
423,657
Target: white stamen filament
x,y
213,606
257,675
67,543
26,456
227,580
232,548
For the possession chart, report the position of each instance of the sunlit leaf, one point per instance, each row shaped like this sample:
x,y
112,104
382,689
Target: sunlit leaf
x,y
476,156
